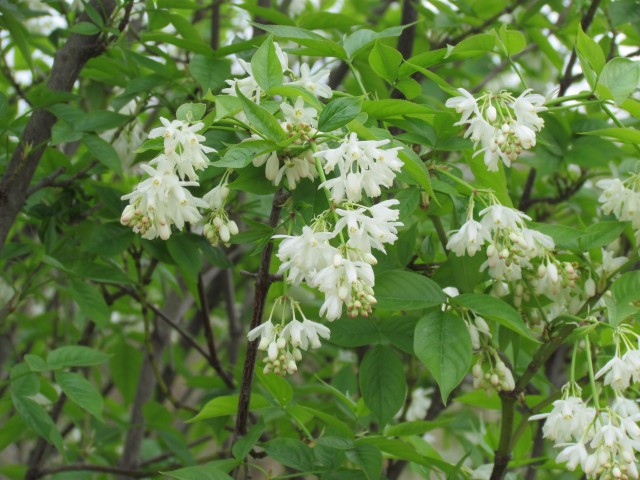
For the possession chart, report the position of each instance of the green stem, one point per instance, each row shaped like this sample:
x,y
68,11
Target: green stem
x,y
517,70
615,120
579,96
442,235
573,105
355,74
592,378
459,181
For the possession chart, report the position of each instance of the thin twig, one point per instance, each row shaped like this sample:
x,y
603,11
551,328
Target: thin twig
x,y
208,333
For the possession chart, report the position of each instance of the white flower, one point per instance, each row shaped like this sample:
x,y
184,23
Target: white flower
x,y
526,108
305,334
345,281
574,454
183,151
266,332
613,196
370,231
420,404
361,166
609,263
617,373
305,254
247,86
158,202
465,104
299,113
526,136
568,418
314,83
498,216
469,238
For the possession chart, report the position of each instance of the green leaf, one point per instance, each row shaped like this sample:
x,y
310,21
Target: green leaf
x,y
191,112
400,290
385,61
99,120
591,57
104,152
91,302
625,291
124,366
227,105
473,46
243,446
85,28
81,392
382,382
354,332
266,67
369,457
625,135
390,108
600,234
228,405
279,388
494,309
443,345
75,356
409,88
200,472
320,45
109,239
338,113
264,123
291,453
17,34
210,73
242,154
620,78
37,419
184,250
512,41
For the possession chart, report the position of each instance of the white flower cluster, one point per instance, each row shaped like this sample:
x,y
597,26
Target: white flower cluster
x,y
300,122
511,245
602,442
283,343
497,376
518,256
502,125
162,200
312,82
362,166
623,368
219,226
344,273
622,199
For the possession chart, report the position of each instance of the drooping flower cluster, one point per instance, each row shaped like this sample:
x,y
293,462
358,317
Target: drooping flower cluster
x,y
503,125
602,442
284,341
622,199
362,167
519,257
219,227
343,273
162,200
511,245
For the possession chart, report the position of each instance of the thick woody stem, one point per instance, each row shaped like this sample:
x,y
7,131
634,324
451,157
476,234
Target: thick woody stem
x,y
263,282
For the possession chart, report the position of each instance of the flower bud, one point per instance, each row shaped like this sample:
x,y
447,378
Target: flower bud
x,y
491,113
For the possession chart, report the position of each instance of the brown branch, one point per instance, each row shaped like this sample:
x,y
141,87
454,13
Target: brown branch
x,y
68,63
208,333
263,282
567,78
215,24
